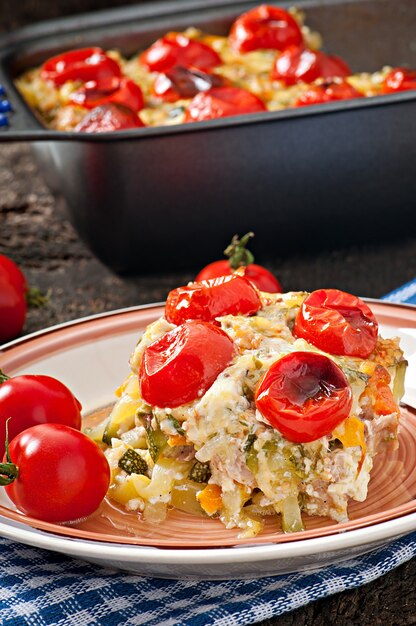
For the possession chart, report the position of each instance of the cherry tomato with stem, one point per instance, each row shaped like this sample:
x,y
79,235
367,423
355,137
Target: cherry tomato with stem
x,y
222,102
109,117
81,65
265,27
35,399
399,79
328,91
299,64
115,90
209,299
183,364
178,49
304,396
337,322
55,473
240,257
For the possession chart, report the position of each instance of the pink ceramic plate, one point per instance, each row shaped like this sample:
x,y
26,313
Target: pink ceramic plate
x,y
91,356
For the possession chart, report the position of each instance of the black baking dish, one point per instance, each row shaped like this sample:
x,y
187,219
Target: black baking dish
x,y
173,196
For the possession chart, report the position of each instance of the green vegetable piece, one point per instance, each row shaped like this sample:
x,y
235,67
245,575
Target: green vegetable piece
x,y
200,473
132,463
112,426
176,425
250,442
156,441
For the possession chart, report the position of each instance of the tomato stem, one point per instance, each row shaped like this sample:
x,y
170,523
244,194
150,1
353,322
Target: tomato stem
x,y
3,377
8,471
35,298
237,252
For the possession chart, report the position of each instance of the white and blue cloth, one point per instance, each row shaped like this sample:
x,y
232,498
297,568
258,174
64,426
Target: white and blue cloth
x,y
40,588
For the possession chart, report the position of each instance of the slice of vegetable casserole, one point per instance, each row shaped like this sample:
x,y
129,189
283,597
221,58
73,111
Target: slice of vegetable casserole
x,y
243,404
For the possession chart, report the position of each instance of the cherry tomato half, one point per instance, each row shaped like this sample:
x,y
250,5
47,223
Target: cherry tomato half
x,y
184,82
13,306
328,91
62,475
117,90
29,400
265,27
338,323
177,49
399,79
207,300
80,65
183,364
222,102
298,64
304,396
109,117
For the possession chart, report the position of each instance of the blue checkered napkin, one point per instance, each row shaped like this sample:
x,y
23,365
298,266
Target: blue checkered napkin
x,y
405,294
40,588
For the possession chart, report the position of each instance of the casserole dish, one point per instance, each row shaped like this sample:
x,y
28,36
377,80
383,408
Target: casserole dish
x,y
322,175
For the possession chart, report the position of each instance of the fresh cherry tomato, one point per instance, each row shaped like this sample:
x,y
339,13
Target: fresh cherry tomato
x,y
298,64
240,257
265,27
184,82
35,399
177,49
58,473
222,102
80,65
399,79
109,117
207,300
13,306
304,396
338,323
328,91
183,364
116,90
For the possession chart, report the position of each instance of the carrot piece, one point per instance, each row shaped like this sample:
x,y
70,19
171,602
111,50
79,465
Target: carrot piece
x,y
176,440
351,433
210,499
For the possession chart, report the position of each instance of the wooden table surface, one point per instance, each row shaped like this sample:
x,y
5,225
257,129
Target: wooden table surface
x,y
36,234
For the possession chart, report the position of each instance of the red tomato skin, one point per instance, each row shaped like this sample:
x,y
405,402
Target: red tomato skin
x,y
399,79
207,300
13,306
222,102
183,364
258,275
299,64
107,118
330,91
337,322
265,27
63,475
30,400
184,82
82,65
297,415
119,91
177,49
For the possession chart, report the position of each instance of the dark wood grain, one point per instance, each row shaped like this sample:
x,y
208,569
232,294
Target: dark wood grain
x,y
34,231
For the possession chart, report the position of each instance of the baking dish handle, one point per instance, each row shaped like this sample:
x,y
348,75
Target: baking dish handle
x,y
16,120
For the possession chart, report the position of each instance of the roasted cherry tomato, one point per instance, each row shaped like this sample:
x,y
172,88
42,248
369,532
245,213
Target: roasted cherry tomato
x,y
116,90
81,65
183,364
304,396
222,102
184,82
177,49
298,64
55,473
35,399
240,257
328,91
338,323
13,306
109,117
399,79
265,27
207,300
